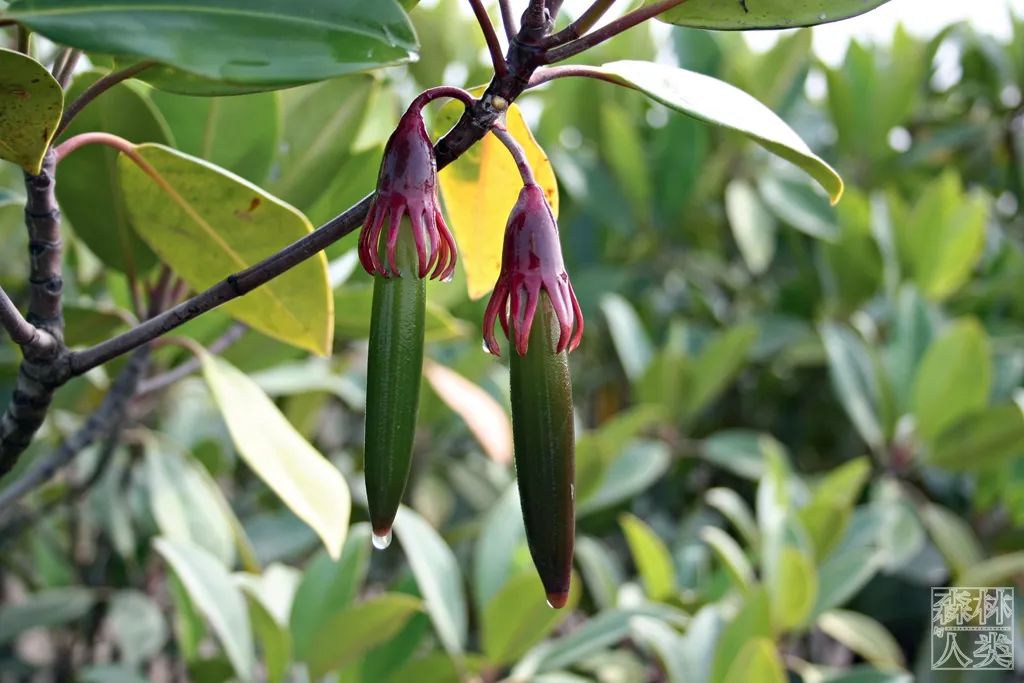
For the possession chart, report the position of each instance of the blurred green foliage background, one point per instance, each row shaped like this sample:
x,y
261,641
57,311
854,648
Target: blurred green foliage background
x,y
793,419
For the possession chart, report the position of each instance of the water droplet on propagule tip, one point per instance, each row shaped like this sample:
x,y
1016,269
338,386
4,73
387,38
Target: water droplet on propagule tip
x,y
557,600
448,278
382,542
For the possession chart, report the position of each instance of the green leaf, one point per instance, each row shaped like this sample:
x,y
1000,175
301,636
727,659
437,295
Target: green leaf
x,y
206,224
351,633
730,555
599,452
652,558
274,638
714,101
757,662
792,589
828,513
943,238
773,504
354,303
239,134
639,467
739,451
258,43
88,325
212,591
111,673
438,577
137,625
842,576
752,225
320,125
628,334
715,14
274,586
751,624
329,586
954,379
854,380
865,674
995,571
913,329
865,636
900,534
437,667
624,151
800,206
90,192
501,535
717,364
187,506
44,609
304,480
596,634
665,643
600,570
517,617
953,537
981,440
31,104
734,508
851,266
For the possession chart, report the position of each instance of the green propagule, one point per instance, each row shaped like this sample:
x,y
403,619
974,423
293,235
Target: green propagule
x,y
403,242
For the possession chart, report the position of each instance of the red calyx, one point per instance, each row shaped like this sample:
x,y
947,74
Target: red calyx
x,y
407,186
531,261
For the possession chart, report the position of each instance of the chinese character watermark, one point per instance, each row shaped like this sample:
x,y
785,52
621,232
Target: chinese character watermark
x,y
972,628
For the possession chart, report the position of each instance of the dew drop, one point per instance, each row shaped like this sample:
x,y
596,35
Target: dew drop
x,y
448,278
483,345
557,600
382,542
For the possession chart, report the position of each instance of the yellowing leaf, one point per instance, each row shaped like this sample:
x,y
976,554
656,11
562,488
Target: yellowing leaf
x,y
207,223
301,477
31,104
652,558
757,662
479,190
483,415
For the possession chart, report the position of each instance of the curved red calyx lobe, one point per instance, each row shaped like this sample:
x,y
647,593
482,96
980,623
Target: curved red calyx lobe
x,y
407,186
531,262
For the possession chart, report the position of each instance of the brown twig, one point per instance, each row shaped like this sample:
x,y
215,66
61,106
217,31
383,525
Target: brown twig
x,y
610,30
98,88
517,152
543,75
22,332
110,412
192,365
579,27
67,67
25,519
508,20
24,40
493,46
42,369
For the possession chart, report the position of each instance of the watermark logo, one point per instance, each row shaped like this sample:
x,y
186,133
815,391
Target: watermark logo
x,y
972,629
